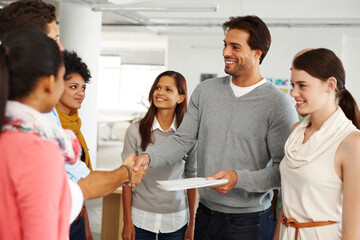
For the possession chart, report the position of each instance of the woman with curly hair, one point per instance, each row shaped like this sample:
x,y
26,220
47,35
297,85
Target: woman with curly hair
x,y
77,75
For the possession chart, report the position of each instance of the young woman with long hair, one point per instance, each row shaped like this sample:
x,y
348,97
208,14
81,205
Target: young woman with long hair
x,y
149,210
320,171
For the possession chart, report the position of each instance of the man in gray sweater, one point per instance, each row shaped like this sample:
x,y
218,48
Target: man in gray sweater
x,y
240,123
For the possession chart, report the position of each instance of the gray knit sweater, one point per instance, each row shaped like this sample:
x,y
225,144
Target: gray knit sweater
x,y
246,134
147,196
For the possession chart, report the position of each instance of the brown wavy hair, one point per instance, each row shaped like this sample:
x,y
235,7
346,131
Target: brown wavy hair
x,y
145,125
26,14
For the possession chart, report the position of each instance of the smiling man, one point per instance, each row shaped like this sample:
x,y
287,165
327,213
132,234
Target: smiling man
x,y
240,122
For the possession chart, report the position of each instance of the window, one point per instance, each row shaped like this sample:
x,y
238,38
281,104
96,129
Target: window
x,y
125,87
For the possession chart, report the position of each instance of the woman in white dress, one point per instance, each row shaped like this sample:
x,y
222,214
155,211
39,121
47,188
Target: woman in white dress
x,y
320,171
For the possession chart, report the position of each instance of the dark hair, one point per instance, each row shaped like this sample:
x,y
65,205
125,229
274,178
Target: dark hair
x,y
26,55
74,64
145,125
260,37
4,84
322,63
26,14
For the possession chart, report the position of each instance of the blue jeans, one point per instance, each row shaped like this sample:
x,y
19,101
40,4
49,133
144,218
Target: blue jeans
x,y
77,230
211,224
141,234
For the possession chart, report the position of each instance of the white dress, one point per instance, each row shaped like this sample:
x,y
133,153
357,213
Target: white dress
x,y
311,189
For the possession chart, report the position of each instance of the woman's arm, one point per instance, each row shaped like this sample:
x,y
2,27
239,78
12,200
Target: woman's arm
x,y
351,187
130,146
278,223
128,232
192,199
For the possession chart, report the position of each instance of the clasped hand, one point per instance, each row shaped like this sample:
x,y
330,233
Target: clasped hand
x,y
137,174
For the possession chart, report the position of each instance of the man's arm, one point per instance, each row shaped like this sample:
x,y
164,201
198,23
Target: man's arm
x,y
101,183
280,122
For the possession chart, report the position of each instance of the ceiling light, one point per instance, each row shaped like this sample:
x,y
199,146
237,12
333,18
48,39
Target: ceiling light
x,y
155,8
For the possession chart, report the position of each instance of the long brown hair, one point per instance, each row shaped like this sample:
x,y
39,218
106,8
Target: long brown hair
x,y
145,125
322,63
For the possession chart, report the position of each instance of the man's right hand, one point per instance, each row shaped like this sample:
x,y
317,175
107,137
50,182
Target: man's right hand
x,y
141,161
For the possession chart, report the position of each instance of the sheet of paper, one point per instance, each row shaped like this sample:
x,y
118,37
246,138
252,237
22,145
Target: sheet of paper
x,y
187,183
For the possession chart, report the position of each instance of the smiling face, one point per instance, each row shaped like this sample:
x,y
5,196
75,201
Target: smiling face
x,y
311,94
166,94
239,58
74,93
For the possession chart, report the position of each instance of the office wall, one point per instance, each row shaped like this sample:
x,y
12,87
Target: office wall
x,y
196,54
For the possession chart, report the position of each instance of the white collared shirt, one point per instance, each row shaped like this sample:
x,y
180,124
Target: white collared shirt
x,y
156,125
241,91
157,222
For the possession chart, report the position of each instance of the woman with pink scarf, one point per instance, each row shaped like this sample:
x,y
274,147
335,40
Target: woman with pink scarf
x,y
35,196
320,171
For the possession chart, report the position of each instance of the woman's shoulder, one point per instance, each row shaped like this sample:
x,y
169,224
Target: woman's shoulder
x,y
349,149
134,126
347,158
133,130
21,139
351,143
28,147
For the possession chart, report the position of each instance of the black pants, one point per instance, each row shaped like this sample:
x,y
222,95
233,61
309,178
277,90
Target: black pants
x,y
77,230
211,225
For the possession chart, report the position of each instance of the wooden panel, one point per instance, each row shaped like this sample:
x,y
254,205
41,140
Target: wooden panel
x,y
112,216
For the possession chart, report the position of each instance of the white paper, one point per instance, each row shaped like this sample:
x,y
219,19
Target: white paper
x,y
188,183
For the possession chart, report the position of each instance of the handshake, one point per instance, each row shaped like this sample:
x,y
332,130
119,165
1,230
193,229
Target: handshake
x,y
136,167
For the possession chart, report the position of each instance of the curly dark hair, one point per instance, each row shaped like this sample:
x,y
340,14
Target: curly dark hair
x,y
26,14
74,64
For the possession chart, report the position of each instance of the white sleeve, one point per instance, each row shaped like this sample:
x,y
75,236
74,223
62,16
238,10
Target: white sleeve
x,y
77,200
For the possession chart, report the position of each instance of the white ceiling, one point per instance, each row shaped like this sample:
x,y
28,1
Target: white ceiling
x,y
175,16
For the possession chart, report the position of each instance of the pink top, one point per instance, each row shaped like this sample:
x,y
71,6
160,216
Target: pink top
x,y
35,198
